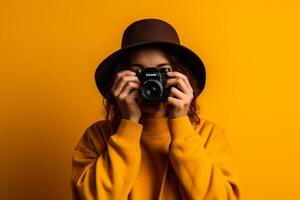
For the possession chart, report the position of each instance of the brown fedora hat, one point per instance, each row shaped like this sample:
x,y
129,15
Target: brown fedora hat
x,y
149,31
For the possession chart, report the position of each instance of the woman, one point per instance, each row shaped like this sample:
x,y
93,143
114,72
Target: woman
x,y
156,150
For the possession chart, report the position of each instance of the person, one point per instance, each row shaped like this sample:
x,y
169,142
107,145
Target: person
x,y
153,150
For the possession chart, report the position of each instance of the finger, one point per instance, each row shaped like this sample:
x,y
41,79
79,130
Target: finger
x,y
174,102
174,92
128,88
119,75
180,83
180,75
134,95
122,82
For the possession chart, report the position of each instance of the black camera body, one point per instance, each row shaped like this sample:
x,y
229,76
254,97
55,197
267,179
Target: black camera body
x,y
152,80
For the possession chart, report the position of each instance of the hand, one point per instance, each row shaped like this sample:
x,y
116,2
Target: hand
x,y
181,96
125,91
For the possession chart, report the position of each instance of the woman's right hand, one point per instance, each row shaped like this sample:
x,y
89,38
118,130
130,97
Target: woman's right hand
x,y
125,90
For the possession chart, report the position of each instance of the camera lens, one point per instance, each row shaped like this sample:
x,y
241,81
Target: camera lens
x,y
152,90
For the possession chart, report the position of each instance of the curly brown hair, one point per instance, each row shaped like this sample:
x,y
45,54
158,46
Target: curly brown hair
x,y
112,111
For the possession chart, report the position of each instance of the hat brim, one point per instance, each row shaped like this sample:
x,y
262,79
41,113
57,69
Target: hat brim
x,y
105,70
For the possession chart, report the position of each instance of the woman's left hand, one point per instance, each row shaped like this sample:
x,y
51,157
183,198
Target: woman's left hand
x,y
181,97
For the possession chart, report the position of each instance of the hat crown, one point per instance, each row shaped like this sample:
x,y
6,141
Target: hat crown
x,y
149,29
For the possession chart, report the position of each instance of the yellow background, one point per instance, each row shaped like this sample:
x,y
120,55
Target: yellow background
x,y
49,52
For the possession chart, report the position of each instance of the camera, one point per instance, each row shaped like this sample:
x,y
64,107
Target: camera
x,y
152,80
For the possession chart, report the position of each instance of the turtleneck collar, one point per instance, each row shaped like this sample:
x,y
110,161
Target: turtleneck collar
x,y
155,126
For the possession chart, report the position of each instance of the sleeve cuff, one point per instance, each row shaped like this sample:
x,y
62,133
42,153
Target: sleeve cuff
x,y
130,132
181,127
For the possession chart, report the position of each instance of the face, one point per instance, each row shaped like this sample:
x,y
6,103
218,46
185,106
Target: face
x,y
149,57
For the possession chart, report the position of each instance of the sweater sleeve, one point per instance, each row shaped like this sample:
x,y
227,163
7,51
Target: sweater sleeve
x,y
110,172
206,170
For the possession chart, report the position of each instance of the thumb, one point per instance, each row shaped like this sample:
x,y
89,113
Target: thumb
x,y
134,95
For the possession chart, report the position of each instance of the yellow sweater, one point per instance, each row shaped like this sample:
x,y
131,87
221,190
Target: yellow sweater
x,y
155,159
